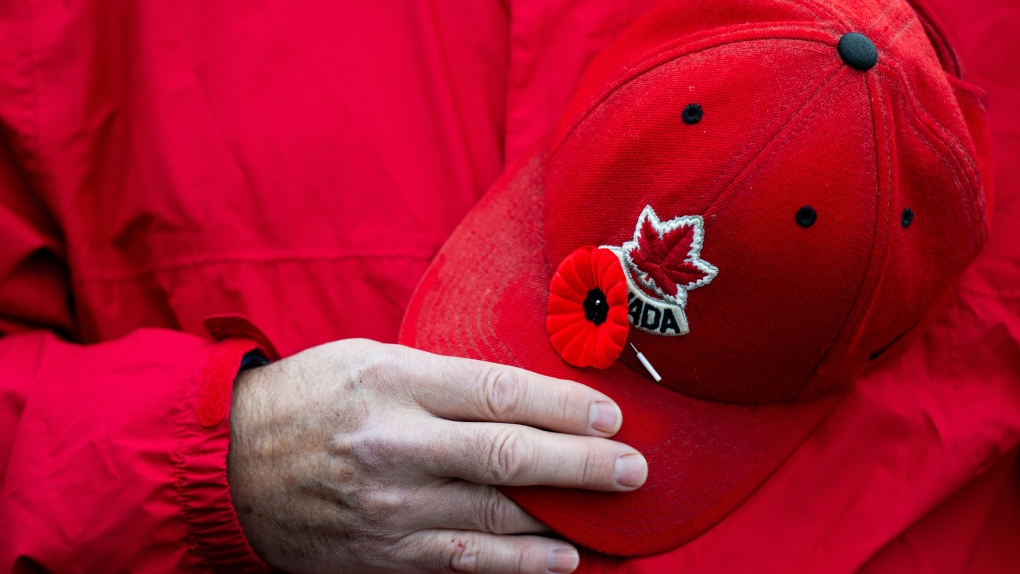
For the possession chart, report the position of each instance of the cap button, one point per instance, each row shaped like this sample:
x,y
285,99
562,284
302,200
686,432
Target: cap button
x,y
857,51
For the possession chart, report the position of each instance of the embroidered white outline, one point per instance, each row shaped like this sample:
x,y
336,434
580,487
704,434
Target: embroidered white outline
x,y
675,304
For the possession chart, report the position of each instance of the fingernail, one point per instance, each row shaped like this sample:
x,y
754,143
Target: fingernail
x,y
604,417
562,560
630,471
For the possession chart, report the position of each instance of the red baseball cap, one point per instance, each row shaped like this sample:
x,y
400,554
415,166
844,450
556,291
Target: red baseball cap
x,y
765,199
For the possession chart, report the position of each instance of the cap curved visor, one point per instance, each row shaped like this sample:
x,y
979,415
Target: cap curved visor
x,y
484,297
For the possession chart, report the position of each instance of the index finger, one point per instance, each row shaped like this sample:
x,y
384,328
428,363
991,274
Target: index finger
x,y
469,390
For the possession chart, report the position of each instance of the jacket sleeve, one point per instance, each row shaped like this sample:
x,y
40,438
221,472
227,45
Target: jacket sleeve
x,y
112,455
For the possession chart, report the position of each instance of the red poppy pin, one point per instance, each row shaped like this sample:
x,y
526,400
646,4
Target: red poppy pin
x,y
587,321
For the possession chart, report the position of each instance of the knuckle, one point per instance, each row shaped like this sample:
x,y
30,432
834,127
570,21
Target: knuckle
x,y
372,364
344,446
354,345
383,505
503,390
371,367
378,449
507,459
463,554
496,513
568,407
355,449
355,499
519,561
591,469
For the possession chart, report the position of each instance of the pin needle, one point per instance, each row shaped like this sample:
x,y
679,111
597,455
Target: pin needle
x,y
644,361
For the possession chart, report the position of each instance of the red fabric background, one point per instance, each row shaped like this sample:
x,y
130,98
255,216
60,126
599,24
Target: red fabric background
x,y
161,162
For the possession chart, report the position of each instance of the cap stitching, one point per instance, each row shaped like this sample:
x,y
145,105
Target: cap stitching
x,y
946,137
776,146
906,24
952,159
881,18
876,100
650,61
821,10
772,147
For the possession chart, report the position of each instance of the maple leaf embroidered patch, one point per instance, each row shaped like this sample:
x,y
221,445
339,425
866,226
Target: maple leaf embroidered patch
x,y
663,262
667,255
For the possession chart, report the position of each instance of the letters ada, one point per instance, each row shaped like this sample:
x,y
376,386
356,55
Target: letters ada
x,y
652,318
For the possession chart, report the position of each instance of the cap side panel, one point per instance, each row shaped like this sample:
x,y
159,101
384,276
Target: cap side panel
x,y
974,106
911,62
931,177
824,160
611,147
946,232
833,370
933,107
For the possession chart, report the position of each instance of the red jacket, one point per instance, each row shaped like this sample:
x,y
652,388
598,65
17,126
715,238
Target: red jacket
x,y
165,161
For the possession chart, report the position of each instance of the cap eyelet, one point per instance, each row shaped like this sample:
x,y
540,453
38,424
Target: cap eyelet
x,y
907,217
806,216
691,114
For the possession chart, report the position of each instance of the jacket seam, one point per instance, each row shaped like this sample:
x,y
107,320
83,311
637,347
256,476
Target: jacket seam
x,y
213,261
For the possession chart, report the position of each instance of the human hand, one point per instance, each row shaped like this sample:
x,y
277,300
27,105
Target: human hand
x,y
354,457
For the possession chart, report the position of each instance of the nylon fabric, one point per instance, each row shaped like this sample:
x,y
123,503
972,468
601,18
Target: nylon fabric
x,y
166,162
301,164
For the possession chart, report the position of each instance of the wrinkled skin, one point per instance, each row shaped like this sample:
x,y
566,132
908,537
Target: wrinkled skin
x,y
357,456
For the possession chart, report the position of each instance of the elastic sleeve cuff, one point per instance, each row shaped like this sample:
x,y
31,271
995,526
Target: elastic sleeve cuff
x,y
203,490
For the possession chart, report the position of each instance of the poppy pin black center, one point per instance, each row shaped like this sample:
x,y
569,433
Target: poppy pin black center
x,y
596,309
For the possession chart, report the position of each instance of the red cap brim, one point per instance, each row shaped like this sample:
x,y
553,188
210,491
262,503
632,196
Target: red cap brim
x,y
485,296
